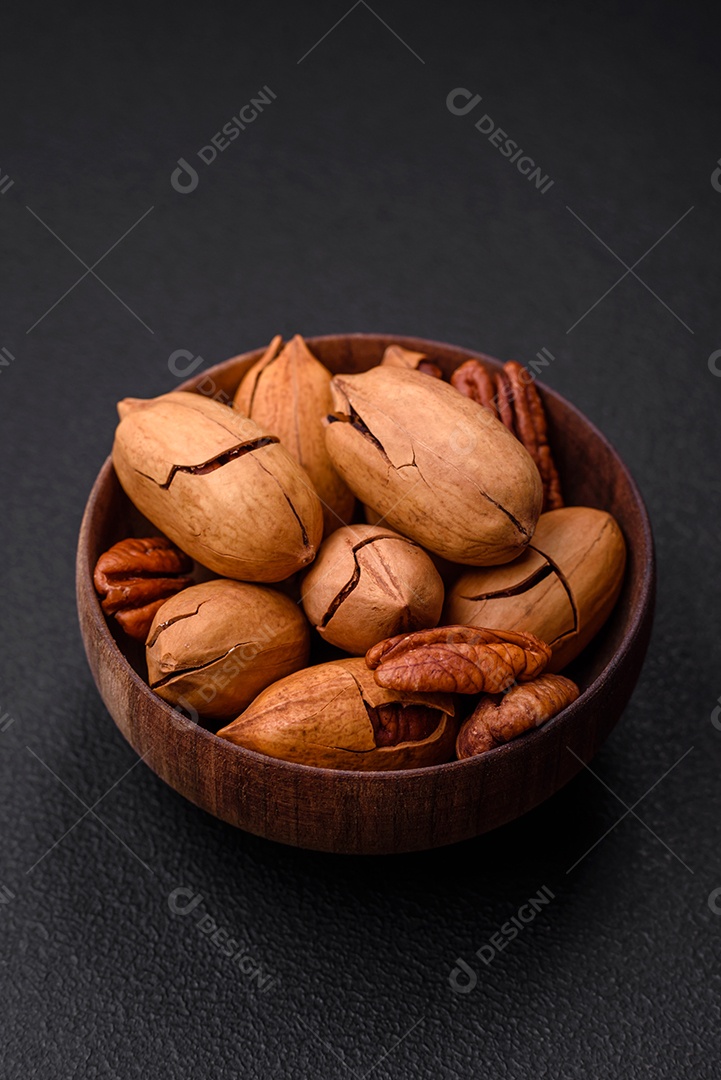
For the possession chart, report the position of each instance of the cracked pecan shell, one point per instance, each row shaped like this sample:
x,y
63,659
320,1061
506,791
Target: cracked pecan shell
x,y
218,485
562,589
435,465
368,583
288,392
336,716
214,646
457,659
136,576
497,719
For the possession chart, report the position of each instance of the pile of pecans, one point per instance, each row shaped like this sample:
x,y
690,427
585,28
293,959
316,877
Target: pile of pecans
x,y
356,513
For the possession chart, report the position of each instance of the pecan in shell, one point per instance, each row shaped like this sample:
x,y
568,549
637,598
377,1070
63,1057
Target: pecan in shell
x,y
439,483
335,716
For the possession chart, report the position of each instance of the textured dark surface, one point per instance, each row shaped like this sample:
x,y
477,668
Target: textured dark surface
x,y
357,201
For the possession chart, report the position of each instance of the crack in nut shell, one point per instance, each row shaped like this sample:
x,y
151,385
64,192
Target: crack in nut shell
x,y
217,645
462,486
499,718
220,459
222,488
135,577
368,583
562,589
457,659
334,715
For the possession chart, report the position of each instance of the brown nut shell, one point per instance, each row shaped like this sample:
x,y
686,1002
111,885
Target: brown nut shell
x,y
288,393
562,589
369,583
218,485
335,716
215,646
437,466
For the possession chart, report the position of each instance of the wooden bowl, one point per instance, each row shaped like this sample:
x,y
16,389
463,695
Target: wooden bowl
x,y
367,812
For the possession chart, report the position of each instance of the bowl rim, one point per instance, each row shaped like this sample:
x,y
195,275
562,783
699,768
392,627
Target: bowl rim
x,y
566,715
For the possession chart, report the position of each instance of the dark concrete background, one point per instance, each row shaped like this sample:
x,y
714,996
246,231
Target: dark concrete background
x,y
357,201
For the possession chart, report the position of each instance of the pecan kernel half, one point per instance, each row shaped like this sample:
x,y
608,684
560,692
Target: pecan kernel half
x,y
394,723
532,429
512,397
136,576
499,718
457,659
472,379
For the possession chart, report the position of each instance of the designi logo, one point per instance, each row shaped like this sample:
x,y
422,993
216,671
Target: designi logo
x,y
716,177
185,178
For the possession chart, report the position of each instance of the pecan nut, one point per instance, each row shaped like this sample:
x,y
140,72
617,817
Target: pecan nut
x,y
287,392
532,430
461,485
499,718
504,394
457,659
562,589
335,716
218,485
136,576
368,583
472,379
511,396
216,645
394,723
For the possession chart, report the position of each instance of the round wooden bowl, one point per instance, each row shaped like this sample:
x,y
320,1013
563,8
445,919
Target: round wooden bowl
x,y
368,812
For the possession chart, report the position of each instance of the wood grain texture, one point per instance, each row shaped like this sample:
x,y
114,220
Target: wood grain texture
x,y
375,813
